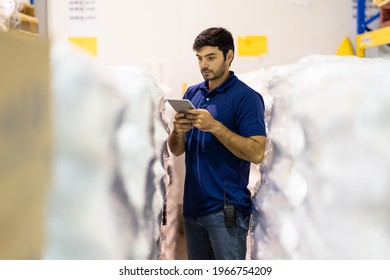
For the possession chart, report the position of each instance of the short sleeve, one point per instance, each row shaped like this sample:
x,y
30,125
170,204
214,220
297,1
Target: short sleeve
x,y
250,115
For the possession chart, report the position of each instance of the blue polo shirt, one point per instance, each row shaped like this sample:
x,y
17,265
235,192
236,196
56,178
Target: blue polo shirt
x,y
210,167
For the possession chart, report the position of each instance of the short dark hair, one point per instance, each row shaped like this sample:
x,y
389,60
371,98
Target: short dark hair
x,y
215,37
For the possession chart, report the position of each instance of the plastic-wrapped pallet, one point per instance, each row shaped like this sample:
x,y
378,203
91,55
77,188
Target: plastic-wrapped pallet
x,y
140,139
9,14
106,197
325,188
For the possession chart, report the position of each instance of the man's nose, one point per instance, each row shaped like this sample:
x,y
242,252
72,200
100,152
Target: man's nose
x,y
203,64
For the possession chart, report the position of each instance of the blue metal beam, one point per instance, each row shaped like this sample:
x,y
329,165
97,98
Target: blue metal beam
x,y
373,18
361,16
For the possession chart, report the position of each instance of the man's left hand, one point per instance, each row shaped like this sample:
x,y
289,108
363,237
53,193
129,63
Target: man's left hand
x,y
202,119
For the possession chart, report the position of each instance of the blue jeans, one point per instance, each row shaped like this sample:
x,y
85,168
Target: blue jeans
x,y
208,238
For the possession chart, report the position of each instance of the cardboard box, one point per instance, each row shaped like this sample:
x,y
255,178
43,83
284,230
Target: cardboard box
x,y
25,144
28,9
28,23
380,3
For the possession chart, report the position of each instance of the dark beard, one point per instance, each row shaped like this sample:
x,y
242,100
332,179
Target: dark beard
x,y
214,76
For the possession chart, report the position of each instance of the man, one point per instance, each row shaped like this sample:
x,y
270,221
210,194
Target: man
x,y
221,137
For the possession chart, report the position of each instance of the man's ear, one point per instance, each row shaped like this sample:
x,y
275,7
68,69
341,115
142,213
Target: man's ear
x,y
230,55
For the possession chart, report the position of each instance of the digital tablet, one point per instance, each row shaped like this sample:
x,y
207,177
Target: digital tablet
x,y
181,105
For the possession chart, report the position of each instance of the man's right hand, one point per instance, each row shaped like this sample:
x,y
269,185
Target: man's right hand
x,y
181,124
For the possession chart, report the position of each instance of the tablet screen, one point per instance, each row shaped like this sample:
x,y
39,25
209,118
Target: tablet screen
x,y
181,105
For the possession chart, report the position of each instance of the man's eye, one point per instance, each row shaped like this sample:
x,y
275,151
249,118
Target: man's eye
x,y
211,57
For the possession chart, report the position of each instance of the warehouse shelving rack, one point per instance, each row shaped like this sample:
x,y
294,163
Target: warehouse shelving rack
x,y
367,38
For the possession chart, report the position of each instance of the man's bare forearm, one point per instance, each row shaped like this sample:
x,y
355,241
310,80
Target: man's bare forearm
x,y
176,143
246,148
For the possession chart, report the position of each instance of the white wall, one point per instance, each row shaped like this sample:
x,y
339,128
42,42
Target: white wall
x,y
158,34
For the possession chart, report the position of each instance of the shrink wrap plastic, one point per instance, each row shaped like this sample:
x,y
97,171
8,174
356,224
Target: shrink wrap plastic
x,y
9,14
107,188
325,181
